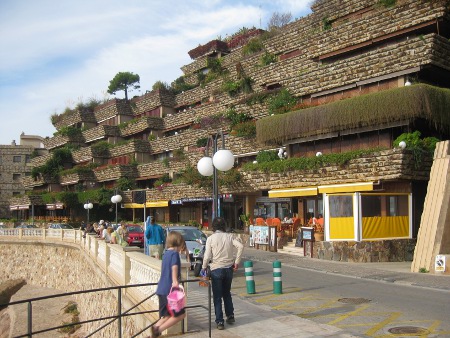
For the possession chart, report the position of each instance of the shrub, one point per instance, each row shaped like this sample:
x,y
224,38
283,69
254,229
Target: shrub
x,y
245,129
267,58
281,102
267,156
253,46
236,118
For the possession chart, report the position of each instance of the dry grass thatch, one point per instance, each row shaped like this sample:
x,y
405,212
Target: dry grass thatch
x,y
399,104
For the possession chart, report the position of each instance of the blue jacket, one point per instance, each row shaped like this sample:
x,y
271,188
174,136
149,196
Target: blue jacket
x,y
154,234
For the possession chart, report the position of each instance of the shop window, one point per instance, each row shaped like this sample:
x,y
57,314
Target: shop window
x,y
397,205
371,206
17,159
341,206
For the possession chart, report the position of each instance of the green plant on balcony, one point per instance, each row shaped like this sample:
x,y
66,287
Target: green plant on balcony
x,y
326,24
179,154
253,46
308,163
191,176
267,59
236,118
386,3
125,183
419,147
282,102
180,85
166,162
245,129
267,156
101,148
54,165
233,88
201,142
151,137
229,178
69,131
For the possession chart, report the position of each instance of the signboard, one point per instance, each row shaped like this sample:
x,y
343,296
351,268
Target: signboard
x,y
308,239
259,234
307,233
439,264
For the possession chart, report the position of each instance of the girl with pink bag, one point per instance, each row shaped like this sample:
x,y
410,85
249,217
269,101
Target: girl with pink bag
x,y
170,275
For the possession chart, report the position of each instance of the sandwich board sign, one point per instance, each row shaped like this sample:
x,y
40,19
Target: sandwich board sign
x,y
439,264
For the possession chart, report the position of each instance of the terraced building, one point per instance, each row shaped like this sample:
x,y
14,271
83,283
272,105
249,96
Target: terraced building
x,y
336,91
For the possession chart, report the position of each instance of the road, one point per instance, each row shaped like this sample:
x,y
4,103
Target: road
x,y
379,306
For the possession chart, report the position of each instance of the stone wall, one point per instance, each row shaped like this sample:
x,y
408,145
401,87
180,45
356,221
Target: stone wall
x,y
395,250
111,109
74,118
100,132
152,100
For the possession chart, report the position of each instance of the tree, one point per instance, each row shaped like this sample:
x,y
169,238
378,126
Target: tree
x,y
279,20
123,81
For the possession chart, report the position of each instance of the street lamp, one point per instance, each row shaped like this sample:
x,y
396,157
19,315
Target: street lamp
x,y
222,160
116,199
88,206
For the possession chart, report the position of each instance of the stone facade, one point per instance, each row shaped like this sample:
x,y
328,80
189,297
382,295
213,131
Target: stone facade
x,y
75,118
15,166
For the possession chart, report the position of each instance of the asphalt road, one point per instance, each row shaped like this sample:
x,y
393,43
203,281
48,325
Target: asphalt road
x,y
364,307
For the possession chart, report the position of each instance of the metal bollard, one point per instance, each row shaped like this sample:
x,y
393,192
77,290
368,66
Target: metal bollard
x,y
277,283
249,280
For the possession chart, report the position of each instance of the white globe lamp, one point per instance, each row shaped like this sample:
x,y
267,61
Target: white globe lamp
x,y
402,144
318,154
223,160
205,166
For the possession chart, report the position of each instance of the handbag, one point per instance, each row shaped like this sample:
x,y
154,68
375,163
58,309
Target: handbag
x,y
176,300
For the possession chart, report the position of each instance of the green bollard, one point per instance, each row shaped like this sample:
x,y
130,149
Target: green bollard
x,y
277,283
249,280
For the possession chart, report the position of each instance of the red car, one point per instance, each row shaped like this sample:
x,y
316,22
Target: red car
x,y
135,235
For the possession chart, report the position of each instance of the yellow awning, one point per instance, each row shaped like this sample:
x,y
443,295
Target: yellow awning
x,y
293,192
350,187
158,204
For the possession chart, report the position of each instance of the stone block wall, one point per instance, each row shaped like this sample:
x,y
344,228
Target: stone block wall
x,y
100,132
76,117
111,109
394,250
142,124
152,100
114,172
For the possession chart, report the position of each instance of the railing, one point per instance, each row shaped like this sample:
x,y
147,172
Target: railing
x,y
111,319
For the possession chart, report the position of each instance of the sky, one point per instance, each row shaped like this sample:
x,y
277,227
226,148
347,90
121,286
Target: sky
x,y
55,54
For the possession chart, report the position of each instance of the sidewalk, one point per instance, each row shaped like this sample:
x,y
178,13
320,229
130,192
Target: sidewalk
x,y
262,321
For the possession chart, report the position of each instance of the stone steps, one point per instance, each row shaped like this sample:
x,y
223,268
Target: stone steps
x,y
291,249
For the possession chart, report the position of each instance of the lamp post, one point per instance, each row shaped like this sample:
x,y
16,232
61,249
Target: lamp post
x,y
88,206
222,160
116,199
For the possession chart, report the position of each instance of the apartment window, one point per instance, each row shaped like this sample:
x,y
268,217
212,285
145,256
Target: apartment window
x,y
16,193
17,159
16,177
27,158
0,160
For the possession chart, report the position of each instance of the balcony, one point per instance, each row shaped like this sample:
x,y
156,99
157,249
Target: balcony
x,y
76,117
60,141
114,172
77,177
140,125
101,132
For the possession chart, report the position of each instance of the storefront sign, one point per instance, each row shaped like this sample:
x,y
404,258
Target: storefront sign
x,y
176,202
259,234
272,200
197,199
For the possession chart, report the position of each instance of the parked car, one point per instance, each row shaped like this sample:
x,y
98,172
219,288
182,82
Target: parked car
x,y
63,226
135,235
195,241
26,226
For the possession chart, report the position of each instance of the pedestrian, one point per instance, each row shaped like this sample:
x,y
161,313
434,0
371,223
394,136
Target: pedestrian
x,y
122,235
219,255
170,276
155,238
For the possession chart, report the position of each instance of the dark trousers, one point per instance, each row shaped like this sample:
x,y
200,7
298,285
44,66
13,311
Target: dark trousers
x,y
221,287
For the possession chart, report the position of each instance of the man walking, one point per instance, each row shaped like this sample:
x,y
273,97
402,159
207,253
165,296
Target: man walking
x,y
220,251
155,238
